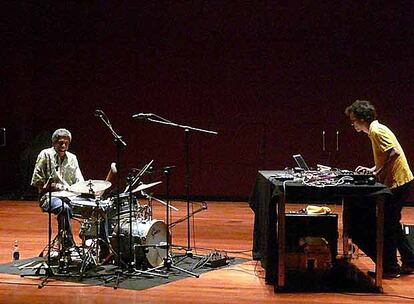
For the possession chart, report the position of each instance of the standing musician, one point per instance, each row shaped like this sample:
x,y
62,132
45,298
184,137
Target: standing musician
x,y
391,168
58,169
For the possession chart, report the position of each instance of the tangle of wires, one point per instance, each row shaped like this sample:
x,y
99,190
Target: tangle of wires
x,y
214,258
321,179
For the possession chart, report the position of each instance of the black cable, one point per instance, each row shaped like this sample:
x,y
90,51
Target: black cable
x,y
256,272
244,252
376,295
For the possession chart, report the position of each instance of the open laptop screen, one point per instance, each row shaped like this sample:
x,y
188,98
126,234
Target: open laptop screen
x,y
301,162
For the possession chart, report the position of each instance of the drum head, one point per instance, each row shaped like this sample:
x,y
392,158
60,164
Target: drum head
x,y
157,235
149,236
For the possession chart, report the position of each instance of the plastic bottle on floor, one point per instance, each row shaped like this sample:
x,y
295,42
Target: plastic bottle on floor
x,y
16,251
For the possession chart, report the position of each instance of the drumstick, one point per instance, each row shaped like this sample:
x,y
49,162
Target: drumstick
x,y
112,171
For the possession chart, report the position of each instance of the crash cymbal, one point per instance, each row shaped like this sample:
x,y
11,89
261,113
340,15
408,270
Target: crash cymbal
x,y
90,186
63,194
145,186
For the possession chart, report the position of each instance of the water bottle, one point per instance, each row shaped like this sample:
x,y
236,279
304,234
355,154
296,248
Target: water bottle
x,y
16,251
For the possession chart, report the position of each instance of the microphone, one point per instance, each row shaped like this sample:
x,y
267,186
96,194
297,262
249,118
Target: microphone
x,y
99,113
167,168
142,115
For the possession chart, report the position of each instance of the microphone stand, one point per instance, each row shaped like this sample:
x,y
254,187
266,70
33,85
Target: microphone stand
x,y
187,129
129,267
120,143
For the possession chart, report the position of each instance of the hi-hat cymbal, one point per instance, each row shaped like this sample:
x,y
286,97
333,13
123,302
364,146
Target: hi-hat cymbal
x,y
90,186
145,186
63,194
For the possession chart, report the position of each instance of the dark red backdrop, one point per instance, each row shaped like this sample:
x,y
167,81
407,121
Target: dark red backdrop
x,y
269,78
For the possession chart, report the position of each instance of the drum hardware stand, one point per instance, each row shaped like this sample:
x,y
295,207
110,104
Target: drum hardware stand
x,y
131,270
168,261
148,272
149,198
131,181
88,257
157,119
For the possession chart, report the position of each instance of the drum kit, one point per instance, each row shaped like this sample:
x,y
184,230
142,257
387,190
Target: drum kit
x,y
104,236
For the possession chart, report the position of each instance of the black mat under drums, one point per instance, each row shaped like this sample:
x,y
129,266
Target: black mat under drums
x,y
99,275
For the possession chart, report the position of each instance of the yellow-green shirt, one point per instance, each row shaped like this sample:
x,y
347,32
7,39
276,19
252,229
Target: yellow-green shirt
x,y
397,172
48,164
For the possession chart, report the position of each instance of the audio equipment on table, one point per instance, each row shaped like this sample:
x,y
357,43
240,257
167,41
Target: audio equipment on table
x,y
326,177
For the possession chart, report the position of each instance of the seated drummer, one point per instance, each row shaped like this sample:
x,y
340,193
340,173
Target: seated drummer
x,y
58,169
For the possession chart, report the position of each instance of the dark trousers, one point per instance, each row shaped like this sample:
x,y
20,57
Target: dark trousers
x,y
401,241
64,215
363,228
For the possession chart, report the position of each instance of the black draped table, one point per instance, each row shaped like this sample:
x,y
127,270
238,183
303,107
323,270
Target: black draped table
x,y
268,198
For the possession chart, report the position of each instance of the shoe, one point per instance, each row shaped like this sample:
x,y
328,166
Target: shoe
x,y
54,254
386,274
69,243
407,269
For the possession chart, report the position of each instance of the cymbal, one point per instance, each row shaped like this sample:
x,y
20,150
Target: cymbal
x,y
90,185
145,186
63,194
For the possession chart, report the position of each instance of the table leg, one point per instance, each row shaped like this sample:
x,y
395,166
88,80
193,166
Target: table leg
x,y
281,243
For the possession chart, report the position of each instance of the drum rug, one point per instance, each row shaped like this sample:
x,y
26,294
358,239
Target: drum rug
x,y
111,276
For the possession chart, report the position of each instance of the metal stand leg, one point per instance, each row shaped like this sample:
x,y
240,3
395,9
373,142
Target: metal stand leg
x,y
168,261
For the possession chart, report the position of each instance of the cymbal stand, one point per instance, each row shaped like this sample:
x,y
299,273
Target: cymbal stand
x,y
48,270
136,178
157,119
131,181
149,198
46,265
168,261
88,256
133,271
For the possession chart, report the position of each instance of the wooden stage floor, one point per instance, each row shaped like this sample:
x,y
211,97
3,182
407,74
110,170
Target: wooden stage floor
x,y
224,225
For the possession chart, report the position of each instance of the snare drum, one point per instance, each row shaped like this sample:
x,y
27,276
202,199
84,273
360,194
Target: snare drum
x,y
87,208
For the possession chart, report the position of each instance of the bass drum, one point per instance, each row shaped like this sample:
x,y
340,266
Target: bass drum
x,y
147,239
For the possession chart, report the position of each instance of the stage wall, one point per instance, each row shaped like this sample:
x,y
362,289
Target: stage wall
x,y
269,78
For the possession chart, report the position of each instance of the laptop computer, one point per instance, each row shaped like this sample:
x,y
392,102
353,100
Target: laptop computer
x,y
301,162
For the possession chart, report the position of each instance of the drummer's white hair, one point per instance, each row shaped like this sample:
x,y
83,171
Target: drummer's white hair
x,y
61,133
